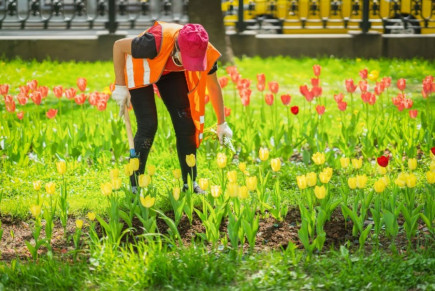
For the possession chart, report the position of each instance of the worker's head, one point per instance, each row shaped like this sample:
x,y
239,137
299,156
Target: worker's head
x,y
193,42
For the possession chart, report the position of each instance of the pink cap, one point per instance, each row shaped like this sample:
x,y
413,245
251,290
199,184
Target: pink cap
x,y
193,42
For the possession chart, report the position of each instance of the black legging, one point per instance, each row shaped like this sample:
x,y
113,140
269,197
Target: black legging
x,y
173,90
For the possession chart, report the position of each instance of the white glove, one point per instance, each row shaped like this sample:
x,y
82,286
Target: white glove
x,y
224,130
122,97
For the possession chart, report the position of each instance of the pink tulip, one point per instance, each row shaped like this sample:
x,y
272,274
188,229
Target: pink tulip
x,y
261,78
317,91
273,87
24,90
36,97
43,90
315,82
407,103
363,73
32,85
338,97
401,84
231,69
350,86
269,99
58,91
51,113
363,86
101,105
235,77
8,98
386,81
4,89
22,99
70,93
81,84
10,106
260,87
20,115
80,99
317,69
342,105
93,98
320,109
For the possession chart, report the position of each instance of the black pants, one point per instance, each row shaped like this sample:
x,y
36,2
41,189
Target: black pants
x,y
173,90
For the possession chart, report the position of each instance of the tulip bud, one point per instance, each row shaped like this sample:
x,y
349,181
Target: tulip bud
x,y
203,183
190,160
177,173
151,170
134,164
79,223
243,192
275,164
232,176
232,189
361,181
144,180
116,183
357,163
379,186
411,180
221,160
35,210
147,201
263,154
412,164
114,173
432,166
251,183
302,182
128,170
50,188
352,182
106,188
215,191
176,193
324,177
37,185
382,170
242,167
344,162
320,192
61,167
430,176
311,179
401,180
91,216
319,158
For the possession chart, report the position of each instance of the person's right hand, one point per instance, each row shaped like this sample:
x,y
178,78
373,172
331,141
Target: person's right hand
x,y
122,97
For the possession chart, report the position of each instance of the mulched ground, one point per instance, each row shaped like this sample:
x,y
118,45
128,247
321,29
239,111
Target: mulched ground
x,y
272,235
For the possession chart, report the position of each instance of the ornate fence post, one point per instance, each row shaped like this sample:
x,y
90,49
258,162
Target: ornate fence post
x,y
365,23
240,20
112,25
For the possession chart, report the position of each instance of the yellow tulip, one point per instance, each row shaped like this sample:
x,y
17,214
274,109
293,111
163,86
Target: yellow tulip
x,y
412,164
357,163
37,185
320,192
251,183
128,170
79,223
151,170
190,160
411,180
385,179
106,188
430,176
361,181
232,189
203,183
148,201
324,177
373,75
91,216
344,162
61,167
243,192
379,186
432,166
302,182
215,191
351,182
401,180
221,160
232,176
311,179
318,158
176,193
242,167
35,210
116,183
263,154
275,164
382,170
144,180
134,164
177,173
114,173
50,188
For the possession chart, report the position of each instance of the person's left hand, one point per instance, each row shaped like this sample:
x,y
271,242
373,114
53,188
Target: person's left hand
x,y
224,130
122,97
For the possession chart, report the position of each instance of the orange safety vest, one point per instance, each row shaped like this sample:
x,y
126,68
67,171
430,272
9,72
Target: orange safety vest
x,y
143,72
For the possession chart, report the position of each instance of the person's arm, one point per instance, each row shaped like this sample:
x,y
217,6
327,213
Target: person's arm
x,y
216,98
120,48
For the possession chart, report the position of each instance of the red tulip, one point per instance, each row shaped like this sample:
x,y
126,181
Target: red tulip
x,y
315,82
316,91
295,110
227,111
273,87
103,96
36,97
433,150
101,105
243,84
363,86
22,99
382,161
342,105
81,84
235,77
338,97
304,90
350,86
43,90
407,103
386,81
32,85
285,99
401,84
320,109
223,81
70,93
10,106
206,99
245,96
316,70
4,89
58,91
269,99
379,88
24,90
20,115
51,113
231,69
363,73
261,78
424,94
246,100
413,113
8,98
428,85
93,98
260,87
368,97
80,99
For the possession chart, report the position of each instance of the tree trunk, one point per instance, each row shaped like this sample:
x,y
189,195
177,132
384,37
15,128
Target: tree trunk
x,y
209,14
